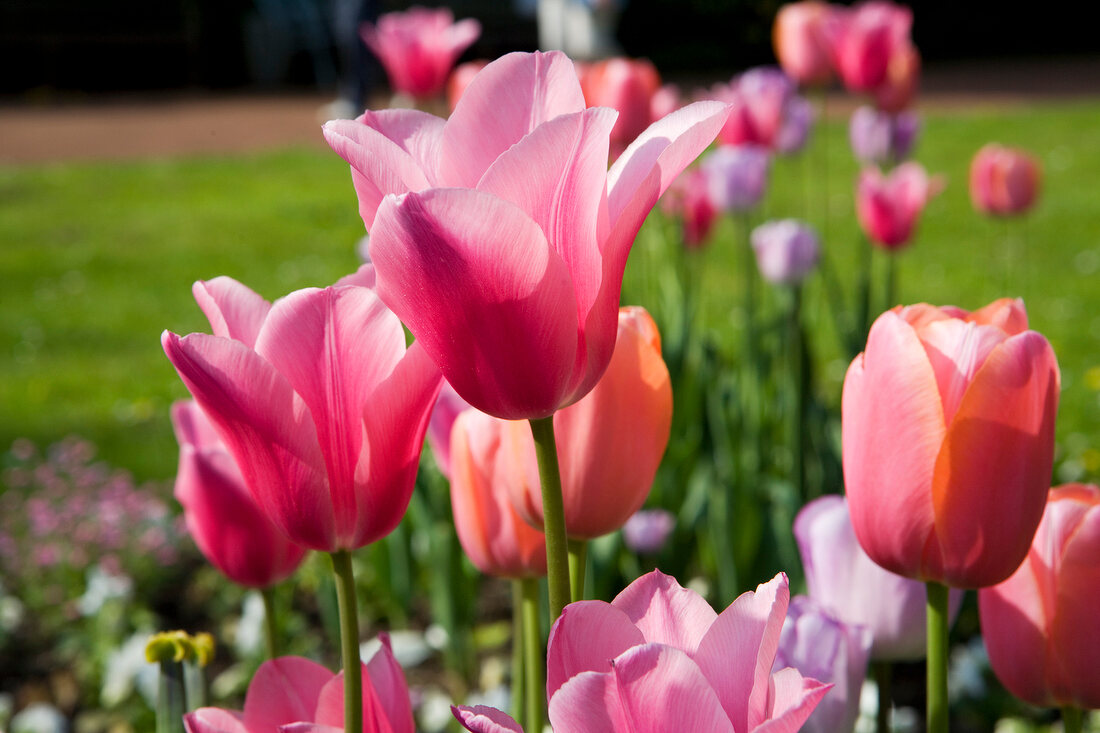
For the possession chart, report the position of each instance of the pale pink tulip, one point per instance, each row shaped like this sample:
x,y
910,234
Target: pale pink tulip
x,y
506,256
658,658
1003,181
888,206
864,39
495,538
800,42
948,441
419,46
318,401
296,695
1040,625
229,528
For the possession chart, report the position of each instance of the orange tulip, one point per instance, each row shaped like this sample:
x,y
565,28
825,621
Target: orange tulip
x,y
1040,625
1003,181
948,441
610,442
495,538
800,42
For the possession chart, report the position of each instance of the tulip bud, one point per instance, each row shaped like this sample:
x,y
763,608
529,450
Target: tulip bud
x,y
882,138
800,43
888,206
1003,181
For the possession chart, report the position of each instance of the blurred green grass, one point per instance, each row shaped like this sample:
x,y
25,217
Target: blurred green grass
x,y
98,258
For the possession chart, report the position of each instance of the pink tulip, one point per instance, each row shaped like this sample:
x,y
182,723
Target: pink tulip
x,y
448,406
317,400
658,658
800,41
843,580
948,441
495,538
609,444
506,256
627,86
419,46
689,199
1040,625
1003,181
460,79
897,90
888,206
296,695
231,531
764,103
864,40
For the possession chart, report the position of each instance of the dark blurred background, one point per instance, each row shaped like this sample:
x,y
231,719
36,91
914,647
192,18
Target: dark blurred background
x,y
59,47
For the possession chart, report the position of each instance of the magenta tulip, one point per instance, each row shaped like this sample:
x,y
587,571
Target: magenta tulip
x,y
888,206
864,39
844,581
1040,625
658,658
948,441
296,695
1003,181
317,400
689,199
786,251
418,47
506,256
231,531
800,41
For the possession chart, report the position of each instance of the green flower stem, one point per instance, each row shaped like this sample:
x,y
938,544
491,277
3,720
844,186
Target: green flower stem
x,y
194,684
171,697
553,516
863,320
349,640
883,678
518,640
534,694
1072,719
578,560
798,387
937,657
271,622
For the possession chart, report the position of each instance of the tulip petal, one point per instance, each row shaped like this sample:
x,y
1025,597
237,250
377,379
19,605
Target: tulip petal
x,y
508,99
1015,621
587,637
651,688
737,652
791,700
665,612
1007,314
233,309
192,427
388,680
364,277
214,720
891,384
319,340
484,719
330,706
266,427
956,350
284,690
309,728
993,471
474,279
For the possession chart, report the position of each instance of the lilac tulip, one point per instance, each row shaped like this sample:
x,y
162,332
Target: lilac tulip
x,y
647,530
737,176
882,138
798,121
848,584
786,251
821,646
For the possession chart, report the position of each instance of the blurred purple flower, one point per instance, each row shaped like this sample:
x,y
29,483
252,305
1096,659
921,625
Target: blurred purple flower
x,y
882,138
737,176
786,251
825,648
797,124
647,530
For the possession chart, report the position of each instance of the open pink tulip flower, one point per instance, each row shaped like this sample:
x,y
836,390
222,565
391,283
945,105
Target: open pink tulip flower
x,y
1003,181
495,538
609,444
947,430
318,401
505,255
1040,625
229,528
800,41
419,46
296,695
864,40
765,107
888,206
658,658
448,406
844,581
828,649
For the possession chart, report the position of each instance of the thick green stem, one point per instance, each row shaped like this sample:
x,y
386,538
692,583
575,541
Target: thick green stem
x,y
578,560
534,695
194,684
553,515
349,640
517,649
271,622
1072,719
937,657
883,675
171,698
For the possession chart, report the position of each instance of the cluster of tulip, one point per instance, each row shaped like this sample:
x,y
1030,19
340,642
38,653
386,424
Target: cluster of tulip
x,y
499,238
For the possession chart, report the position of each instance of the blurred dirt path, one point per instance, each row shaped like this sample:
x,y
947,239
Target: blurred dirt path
x,y
134,127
